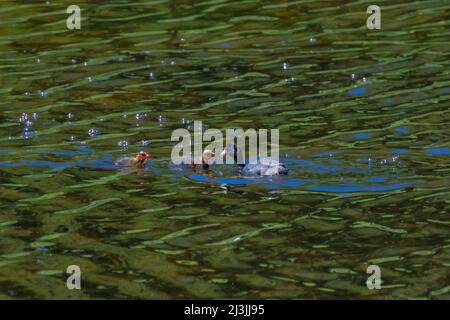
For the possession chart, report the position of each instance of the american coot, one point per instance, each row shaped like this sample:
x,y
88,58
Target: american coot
x,y
206,157
264,166
136,161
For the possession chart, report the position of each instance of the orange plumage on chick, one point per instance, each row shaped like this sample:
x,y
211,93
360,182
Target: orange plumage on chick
x,y
136,161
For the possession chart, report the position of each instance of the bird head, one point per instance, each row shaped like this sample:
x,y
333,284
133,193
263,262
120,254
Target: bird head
x,y
208,155
141,156
233,150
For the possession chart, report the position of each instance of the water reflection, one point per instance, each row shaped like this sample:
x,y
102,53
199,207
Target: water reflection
x,y
362,131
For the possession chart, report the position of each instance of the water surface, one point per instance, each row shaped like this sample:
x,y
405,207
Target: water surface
x,y
364,129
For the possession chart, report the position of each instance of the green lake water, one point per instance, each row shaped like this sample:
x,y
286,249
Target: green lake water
x,y
363,116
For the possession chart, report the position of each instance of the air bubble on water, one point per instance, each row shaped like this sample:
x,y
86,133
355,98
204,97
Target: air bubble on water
x,y
93,132
23,117
28,131
140,116
42,93
123,144
161,118
291,79
173,62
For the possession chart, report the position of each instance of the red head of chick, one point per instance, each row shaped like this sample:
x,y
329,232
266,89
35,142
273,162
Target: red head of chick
x,y
140,158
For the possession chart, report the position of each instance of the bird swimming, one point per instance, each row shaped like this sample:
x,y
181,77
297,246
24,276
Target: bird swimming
x,y
263,167
136,161
207,155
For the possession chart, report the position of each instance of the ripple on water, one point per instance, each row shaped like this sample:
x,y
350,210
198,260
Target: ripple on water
x,y
362,121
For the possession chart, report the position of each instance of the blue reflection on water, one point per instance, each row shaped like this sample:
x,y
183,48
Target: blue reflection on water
x,y
105,162
9,164
199,177
357,91
318,167
235,180
399,151
276,182
401,130
362,135
295,182
48,163
438,150
369,182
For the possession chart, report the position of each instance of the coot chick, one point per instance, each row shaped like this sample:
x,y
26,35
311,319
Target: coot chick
x,y
207,155
136,161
